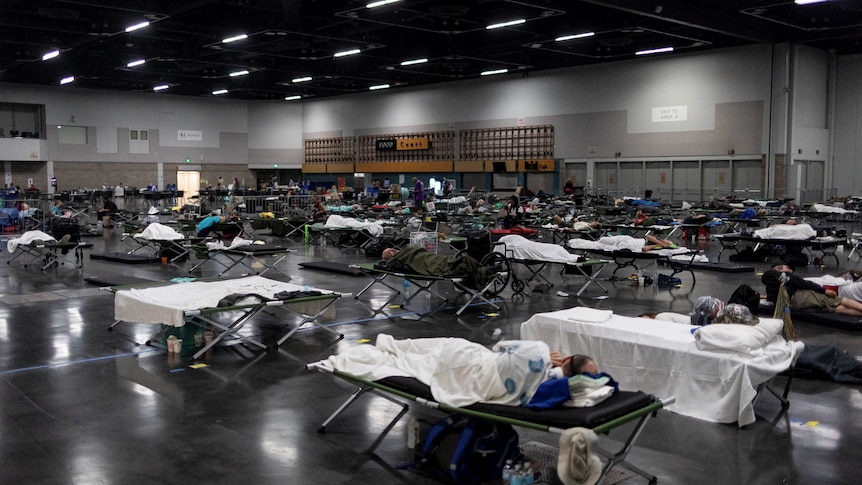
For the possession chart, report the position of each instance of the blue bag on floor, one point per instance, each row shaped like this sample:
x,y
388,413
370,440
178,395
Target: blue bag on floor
x,y
470,450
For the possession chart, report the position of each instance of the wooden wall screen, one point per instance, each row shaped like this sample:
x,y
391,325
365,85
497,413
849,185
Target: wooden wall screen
x,y
510,143
330,150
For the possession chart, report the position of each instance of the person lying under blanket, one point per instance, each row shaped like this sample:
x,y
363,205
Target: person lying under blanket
x,y
460,372
416,260
623,243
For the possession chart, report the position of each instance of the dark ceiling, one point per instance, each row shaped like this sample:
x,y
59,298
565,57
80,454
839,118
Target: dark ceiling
x,y
183,47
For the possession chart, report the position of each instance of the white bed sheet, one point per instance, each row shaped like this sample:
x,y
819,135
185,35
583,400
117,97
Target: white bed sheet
x,y
522,248
661,358
167,304
336,221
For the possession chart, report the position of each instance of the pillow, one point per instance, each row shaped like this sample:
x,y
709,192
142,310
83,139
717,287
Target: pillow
x,y
738,337
589,315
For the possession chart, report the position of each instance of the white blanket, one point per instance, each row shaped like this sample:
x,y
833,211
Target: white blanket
x,y
662,358
522,248
167,304
831,209
621,243
786,231
159,232
27,238
235,243
339,222
458,371
610,243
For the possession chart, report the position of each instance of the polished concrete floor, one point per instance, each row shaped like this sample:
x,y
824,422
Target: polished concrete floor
x,y
82,405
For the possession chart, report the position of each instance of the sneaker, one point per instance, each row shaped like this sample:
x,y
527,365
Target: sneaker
x,y
66,238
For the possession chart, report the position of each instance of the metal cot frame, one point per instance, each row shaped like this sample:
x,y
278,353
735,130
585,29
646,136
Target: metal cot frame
x,y
642,407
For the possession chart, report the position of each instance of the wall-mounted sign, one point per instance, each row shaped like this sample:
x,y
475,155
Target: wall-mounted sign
x,y
536,165
190,135
418,143
669,113
384,145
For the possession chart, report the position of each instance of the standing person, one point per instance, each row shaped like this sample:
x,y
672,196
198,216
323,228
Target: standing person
x,y
418,195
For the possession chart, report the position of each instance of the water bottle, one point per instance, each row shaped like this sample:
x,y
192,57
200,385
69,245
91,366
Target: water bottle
x,y
529,477
412,433
517,476
406,284
507,473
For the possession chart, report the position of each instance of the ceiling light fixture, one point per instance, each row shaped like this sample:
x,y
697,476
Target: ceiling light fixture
x,y
379,86
806,2
380,3
219,91
234,38
136,63
346,53
301,79
292,98
238,73
505,24
496,71
414,61
575,36
50,55
137,26
654,51
67,80
161,87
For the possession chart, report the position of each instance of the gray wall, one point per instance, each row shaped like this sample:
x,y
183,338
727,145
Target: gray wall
x,y
731,96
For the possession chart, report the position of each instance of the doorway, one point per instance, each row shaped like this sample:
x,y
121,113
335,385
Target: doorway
x,y
189,183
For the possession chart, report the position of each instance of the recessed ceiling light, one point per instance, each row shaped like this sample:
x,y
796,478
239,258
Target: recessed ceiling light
x,y
136,63
67,80
238,73
292,98
575,36
50,55
496,71
346,53
380,3
234,38
414,61
378,86
161,87
301,79
505,24
219,91
654,51
137,26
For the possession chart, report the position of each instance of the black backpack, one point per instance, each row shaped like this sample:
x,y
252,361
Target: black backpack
x,y
747,296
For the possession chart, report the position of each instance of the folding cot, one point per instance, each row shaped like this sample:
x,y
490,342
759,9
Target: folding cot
x,y
666,359
246,255
197,303
493,286
162,239
819,247
624,259
621,408
536,257
49,254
